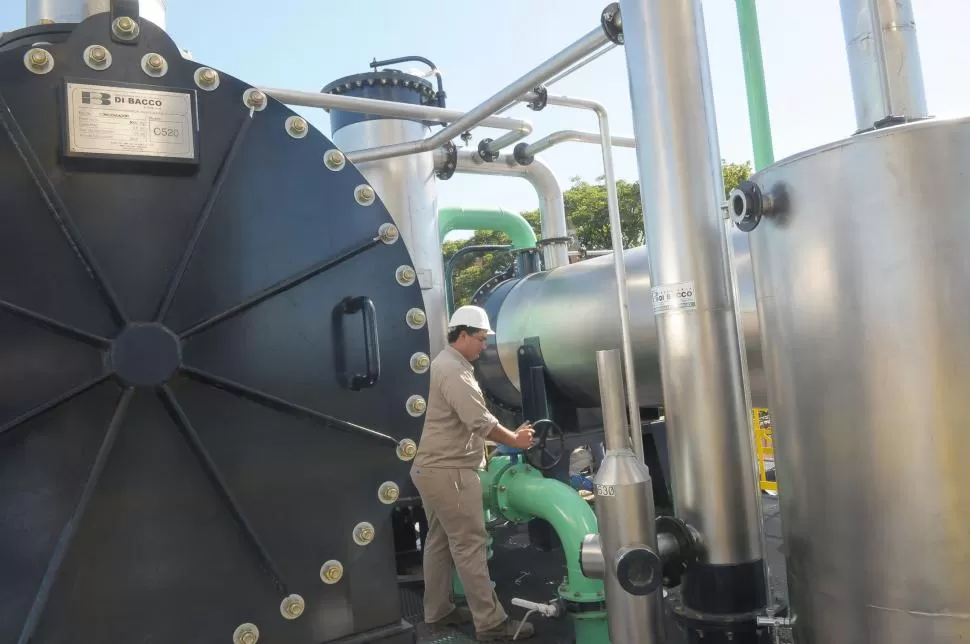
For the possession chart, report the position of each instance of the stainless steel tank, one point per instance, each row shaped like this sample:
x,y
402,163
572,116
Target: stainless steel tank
x,y
573,311
61,11
406,184
862,272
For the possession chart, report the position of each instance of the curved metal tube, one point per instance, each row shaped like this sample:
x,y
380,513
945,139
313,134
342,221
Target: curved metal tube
x,y
551,206
565,136
619,266
574,52
388,108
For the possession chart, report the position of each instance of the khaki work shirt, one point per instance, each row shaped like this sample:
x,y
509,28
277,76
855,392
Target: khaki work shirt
x,y
456,420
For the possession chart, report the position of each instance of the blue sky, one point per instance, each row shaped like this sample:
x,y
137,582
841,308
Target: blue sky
x,y
481,46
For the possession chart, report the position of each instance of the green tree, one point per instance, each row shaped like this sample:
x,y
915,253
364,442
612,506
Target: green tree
x,y
734,174
587,210
588,215
474,269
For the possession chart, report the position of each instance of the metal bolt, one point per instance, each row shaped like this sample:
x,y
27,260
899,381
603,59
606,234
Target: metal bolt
x,y
420,362
207,76
39,60
417,405
126,25
97,54
254,99
389,492
246,634
407,449
292,607
416,317
388,233
297,127
332,572
363,533
364,195
125,28
405,275
155,61
335,160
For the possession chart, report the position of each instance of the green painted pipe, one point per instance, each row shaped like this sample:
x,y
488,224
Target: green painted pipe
x,y
521,493
511,223
754,81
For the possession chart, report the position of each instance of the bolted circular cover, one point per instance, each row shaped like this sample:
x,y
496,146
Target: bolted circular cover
x,y
204,360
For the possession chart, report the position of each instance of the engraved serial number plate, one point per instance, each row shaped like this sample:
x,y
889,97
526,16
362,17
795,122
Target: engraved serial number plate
x,y
105,120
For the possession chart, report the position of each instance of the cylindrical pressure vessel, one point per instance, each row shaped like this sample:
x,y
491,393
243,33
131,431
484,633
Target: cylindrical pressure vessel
x,y
573,312
405,184
862,267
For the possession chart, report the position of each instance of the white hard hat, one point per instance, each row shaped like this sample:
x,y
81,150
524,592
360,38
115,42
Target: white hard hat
x,y
473,316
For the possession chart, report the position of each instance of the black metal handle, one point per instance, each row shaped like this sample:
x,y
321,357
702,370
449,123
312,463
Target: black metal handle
x,y
372,350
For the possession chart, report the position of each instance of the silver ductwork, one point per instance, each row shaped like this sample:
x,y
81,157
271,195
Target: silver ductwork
x,y
65,11
551,207
884,61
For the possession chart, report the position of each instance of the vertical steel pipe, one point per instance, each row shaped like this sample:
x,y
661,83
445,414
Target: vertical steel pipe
x,y
681,186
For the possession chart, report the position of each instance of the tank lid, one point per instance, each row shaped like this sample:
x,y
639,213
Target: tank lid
x,y
385,85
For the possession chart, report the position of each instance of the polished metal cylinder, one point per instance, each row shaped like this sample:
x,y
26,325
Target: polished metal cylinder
x,y
406,185
626,519
884,61
610,375
546,305
65,11
710,440
862,276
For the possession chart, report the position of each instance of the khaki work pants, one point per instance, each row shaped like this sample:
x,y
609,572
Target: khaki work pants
x,y
457,538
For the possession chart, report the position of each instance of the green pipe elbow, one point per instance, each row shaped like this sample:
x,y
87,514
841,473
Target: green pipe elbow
x,y
520,493
511,223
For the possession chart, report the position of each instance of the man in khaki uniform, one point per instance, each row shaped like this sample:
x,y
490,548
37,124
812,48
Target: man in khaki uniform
x,y
445,472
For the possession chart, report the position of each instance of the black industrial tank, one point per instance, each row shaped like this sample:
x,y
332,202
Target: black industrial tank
x,y
206,361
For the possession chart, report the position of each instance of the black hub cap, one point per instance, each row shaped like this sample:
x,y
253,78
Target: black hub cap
x,y
146,355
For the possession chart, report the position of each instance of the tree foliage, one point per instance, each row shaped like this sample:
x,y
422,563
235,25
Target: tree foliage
x,y
587,213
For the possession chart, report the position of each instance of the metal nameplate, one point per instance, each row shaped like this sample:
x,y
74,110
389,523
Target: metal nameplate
x,y
674,297
105,120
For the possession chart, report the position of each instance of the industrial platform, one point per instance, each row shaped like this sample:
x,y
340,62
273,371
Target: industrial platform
x,y
521,570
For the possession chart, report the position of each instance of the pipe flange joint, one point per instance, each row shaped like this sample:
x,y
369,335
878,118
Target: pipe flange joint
x,y
687,552
612,23
540,101
487,155
746,205
521,155
638,569
447,169
500,487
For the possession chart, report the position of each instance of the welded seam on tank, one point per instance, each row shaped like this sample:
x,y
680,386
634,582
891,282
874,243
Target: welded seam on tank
x,y
203,218
51,404
58,210
221,487
278,404
70,530
60,328
279,288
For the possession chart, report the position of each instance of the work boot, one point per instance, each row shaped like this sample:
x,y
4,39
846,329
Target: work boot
x,y
459,616
505,631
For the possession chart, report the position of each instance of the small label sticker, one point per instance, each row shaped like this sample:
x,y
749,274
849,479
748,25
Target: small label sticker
x,y
605,490
674,297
